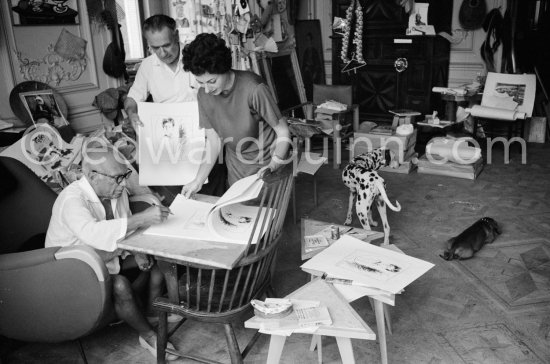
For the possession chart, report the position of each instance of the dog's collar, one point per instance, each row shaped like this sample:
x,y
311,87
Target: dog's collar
x,y
485,219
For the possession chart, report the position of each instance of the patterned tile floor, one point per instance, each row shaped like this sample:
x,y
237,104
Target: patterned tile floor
x,y
490,309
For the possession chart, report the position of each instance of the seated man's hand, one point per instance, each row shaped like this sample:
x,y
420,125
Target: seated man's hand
x,y
156,214
144,261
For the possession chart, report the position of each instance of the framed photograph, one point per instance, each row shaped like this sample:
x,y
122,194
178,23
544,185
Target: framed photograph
x,y
44,12
309,48
418,21
43,108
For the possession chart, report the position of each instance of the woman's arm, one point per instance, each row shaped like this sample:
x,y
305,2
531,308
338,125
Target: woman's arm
x,y
210,157
282,144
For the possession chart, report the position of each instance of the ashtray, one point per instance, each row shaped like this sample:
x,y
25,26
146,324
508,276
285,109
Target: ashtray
x,y
273,315
272,308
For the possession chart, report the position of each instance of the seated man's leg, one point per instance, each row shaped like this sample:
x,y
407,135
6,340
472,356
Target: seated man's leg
x,y
127,309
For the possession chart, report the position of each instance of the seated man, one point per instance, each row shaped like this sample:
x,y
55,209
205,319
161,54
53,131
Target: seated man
x,y
95,211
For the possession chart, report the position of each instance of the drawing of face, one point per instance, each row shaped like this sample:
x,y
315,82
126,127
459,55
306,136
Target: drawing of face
x,y
169,127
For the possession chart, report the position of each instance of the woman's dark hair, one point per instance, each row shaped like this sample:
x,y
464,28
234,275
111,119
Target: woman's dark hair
x,y
206,53
158,22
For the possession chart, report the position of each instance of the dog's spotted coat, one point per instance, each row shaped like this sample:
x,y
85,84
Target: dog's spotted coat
x,y
366,185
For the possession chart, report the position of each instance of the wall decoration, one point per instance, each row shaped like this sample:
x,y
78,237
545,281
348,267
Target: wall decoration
x,y
66,61
43,108
44,12
309,49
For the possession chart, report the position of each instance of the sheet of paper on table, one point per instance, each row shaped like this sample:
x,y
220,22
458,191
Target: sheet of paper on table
x,y
310,162
372,266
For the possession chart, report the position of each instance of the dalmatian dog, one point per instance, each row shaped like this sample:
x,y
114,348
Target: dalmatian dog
x,y
366,185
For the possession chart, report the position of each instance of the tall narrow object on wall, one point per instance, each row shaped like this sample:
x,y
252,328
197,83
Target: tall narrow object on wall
x,y
113,61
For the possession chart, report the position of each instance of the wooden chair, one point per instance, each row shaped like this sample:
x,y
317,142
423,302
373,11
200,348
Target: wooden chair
x,y
215,295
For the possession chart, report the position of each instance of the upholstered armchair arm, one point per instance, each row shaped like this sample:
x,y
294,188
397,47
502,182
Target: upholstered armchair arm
x,y
53,294
141,202
146,198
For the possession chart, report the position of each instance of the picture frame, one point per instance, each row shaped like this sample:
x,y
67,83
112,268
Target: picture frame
x,y
282,73
309,49
44,12
42,107
418,21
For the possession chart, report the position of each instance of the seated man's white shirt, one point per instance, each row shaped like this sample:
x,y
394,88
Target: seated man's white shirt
x,y
78,218
156,78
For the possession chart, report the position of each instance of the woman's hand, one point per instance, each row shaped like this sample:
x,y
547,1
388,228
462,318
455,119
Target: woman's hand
x,y
191,188
264,171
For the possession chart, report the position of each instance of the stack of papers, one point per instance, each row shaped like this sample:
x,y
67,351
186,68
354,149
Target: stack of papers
x,y
306,316
381,271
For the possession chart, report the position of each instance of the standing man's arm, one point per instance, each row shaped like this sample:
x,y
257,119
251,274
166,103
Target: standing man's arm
x,y
137,93
131,108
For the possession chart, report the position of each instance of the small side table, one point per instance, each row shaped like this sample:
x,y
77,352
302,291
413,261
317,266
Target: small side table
x,y
346,323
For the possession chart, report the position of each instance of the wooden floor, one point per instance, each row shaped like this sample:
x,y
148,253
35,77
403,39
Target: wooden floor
x,y
490,309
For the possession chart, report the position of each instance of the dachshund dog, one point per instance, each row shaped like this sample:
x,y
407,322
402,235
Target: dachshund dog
x,y
484,231
366,185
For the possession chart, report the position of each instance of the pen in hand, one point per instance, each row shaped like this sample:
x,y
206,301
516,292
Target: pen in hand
x,y
169,211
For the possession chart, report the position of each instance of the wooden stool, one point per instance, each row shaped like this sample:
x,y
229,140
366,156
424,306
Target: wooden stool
x,y
379,304
346,323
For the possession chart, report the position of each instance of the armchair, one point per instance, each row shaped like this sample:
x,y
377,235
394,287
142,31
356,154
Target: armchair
x,y
46,294
341,122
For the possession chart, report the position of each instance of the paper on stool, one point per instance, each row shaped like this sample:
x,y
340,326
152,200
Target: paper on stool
x,y
495,113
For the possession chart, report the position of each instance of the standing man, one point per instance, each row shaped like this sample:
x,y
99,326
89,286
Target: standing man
x,y
95,211
161,76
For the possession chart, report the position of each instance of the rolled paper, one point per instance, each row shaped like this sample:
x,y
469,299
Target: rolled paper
x,y
495,113
454,150
448,90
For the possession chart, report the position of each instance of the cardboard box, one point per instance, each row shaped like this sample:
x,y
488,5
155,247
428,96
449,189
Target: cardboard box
x,y
467,171
366,142
537,129
408,166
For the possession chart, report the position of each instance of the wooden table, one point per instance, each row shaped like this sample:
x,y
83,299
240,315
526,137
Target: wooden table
x,y
346,323
170,252
174,250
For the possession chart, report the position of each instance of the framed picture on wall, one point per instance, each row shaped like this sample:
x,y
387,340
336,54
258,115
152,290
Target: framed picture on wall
x,y
43,108
309,49
44,12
